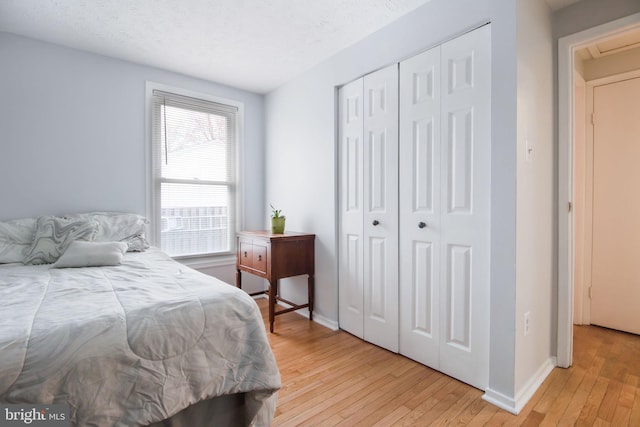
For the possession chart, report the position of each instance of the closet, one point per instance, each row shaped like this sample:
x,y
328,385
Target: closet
x,y
414,207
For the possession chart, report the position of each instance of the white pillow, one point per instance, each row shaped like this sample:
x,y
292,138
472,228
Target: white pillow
x,y
91,254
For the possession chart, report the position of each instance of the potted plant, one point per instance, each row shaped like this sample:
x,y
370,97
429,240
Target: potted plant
x,y
277,221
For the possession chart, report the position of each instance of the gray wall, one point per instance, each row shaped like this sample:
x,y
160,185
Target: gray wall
x,y
73,132
591,13
301,165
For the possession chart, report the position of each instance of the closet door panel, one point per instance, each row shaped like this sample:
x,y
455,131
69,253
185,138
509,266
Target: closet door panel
x,y
378,153
381,208
351,206
460,161
420,207
377,280
458,297
464,298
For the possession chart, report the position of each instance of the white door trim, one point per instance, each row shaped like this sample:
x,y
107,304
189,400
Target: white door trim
x,y
566,48
580,285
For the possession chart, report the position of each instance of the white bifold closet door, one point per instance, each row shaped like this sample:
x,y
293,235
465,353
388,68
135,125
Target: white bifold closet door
x,y
444,202
368,265
351,210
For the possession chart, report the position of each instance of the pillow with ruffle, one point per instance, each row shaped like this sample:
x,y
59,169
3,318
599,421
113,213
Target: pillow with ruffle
x,y
91,254
16,237
54,235
118,227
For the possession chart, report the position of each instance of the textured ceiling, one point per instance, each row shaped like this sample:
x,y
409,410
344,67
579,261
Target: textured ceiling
x,y
559,4
255,45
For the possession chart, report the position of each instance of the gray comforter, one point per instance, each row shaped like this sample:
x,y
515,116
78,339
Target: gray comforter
x,y
132,344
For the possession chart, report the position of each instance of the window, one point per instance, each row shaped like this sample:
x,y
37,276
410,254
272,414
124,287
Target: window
x,y
194,188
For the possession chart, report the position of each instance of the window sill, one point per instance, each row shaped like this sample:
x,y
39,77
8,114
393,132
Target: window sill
x,y
199,263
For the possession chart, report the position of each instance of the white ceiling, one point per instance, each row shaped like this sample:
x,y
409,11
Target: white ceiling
x,y
559,4
256,45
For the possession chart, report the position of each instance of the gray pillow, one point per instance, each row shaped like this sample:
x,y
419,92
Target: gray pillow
x,y
16,237
118,227
54,235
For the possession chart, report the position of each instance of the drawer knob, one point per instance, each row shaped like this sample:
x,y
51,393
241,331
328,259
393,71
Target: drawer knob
x,y
245,254
422,225
375,222
259,257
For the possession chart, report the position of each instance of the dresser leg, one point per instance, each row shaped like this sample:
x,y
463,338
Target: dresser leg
x,y
273,289
311,290
238,279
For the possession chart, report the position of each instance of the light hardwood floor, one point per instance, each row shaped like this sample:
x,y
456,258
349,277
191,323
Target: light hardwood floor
x,y
330,378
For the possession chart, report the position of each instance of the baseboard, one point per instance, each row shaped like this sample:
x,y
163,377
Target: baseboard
x,y
320,319
512,405
500,400
531,386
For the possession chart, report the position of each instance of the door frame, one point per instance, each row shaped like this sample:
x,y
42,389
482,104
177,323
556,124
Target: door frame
x,y
579,288
566,49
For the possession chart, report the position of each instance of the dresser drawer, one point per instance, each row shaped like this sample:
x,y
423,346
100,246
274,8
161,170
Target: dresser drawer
x,y
260,258
253,255
245,253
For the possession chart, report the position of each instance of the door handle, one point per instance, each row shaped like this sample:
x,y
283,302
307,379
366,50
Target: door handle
x,y
422,224
375,222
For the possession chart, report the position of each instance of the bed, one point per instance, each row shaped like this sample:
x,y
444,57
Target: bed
x,y
146,341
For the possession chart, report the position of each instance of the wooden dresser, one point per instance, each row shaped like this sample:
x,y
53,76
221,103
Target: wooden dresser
x,y
273,257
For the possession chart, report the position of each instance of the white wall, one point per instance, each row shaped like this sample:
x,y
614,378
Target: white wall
x,y
535,247
301,153
73,133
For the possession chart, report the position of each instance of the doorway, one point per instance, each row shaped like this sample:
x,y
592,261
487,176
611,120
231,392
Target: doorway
x,y
568,47
616,208
606,209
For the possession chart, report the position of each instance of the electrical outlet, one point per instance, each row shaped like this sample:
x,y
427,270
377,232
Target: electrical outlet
x,y
527,323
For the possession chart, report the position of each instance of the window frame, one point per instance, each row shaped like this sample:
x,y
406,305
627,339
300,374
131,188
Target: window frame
x,y
153,181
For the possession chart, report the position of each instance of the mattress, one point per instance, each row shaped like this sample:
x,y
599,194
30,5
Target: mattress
x,y
131,344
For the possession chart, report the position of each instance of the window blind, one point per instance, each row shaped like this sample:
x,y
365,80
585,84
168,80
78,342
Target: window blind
x,y
194,143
